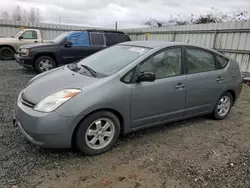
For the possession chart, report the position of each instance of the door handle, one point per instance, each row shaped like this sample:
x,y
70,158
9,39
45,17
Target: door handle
x,y
219,79
35,41
180,86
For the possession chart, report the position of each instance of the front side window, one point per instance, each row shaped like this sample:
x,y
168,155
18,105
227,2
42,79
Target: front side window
x,y
128,77
61,37
79,38
19,33
164,64
111,60
199,60
97,39
29,35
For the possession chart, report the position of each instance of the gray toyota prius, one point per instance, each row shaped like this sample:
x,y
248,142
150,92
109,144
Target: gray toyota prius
x,y
124,88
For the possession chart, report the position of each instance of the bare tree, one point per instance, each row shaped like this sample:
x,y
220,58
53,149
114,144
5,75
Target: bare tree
x,y
155,23
37,15
5,15
17,14
32,15
24,15
20,14
214,16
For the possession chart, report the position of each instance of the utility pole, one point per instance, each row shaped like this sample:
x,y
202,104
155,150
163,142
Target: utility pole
x,y
116,26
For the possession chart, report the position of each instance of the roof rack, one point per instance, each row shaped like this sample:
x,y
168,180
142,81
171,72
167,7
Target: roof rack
x,y
101,30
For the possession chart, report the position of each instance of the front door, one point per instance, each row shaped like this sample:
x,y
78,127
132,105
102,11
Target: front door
x,y
83,45
164,99
28,37
204,81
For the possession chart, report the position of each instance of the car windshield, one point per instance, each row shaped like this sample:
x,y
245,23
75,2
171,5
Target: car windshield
x,y
19,33
111,60
59,38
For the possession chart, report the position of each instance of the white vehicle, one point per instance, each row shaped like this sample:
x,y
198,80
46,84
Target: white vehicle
x,y
10,45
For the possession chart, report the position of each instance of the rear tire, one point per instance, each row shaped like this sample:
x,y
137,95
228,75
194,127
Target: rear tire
x,y
223,106
44,63
98,133
6,53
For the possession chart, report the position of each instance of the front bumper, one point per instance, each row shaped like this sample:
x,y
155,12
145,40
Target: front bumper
x,y
48,130
24,61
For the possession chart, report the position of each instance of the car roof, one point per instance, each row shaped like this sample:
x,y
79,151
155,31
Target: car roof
x,y
161,43
151,43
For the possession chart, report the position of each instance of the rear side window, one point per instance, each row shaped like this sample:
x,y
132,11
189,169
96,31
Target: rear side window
x,y
222,61
29,35
199,61
114,38
97,39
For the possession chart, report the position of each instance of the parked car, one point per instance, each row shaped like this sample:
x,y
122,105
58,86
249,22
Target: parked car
x,y
67,48
10,45
124,88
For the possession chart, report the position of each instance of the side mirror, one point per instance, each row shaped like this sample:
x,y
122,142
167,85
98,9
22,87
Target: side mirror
x,y
21,37
68,44
145,77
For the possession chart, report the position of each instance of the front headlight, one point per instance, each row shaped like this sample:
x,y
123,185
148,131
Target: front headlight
x,y
24,52
53,101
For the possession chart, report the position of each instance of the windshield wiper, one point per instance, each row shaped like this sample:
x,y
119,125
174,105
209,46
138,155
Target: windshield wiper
x,y
89,69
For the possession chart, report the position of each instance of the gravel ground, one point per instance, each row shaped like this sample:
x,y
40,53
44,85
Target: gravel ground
x,y
198,152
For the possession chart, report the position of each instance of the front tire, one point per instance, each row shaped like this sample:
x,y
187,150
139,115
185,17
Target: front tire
x,y
223,106
6,53
98,133
44,63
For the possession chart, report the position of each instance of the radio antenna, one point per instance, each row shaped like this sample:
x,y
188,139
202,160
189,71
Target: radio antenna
x,y
190,38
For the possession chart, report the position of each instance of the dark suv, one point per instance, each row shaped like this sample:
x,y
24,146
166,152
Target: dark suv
x,y
67,48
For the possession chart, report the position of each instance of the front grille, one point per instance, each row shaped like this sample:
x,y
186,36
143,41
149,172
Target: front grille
x,y
27,103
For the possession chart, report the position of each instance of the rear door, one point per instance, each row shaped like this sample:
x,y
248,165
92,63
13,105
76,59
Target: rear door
x,y
205,81
97,41
115,38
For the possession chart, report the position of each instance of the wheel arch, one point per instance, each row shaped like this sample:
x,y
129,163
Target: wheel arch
x,y
50,54
232,92
115,112
8,46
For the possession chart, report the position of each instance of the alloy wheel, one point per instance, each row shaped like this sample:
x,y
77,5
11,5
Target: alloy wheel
x,y
100,133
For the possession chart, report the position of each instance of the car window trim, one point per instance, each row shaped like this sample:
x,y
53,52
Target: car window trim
x,y
217,66
133,70
107,40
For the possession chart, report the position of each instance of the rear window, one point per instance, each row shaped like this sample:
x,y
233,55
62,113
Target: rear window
x,y
97,39
114,38
222,61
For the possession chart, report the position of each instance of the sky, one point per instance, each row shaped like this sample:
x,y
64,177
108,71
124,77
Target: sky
x,y
128,13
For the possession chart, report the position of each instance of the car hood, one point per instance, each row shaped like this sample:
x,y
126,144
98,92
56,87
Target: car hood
x,y
7,39
53,81
28,46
